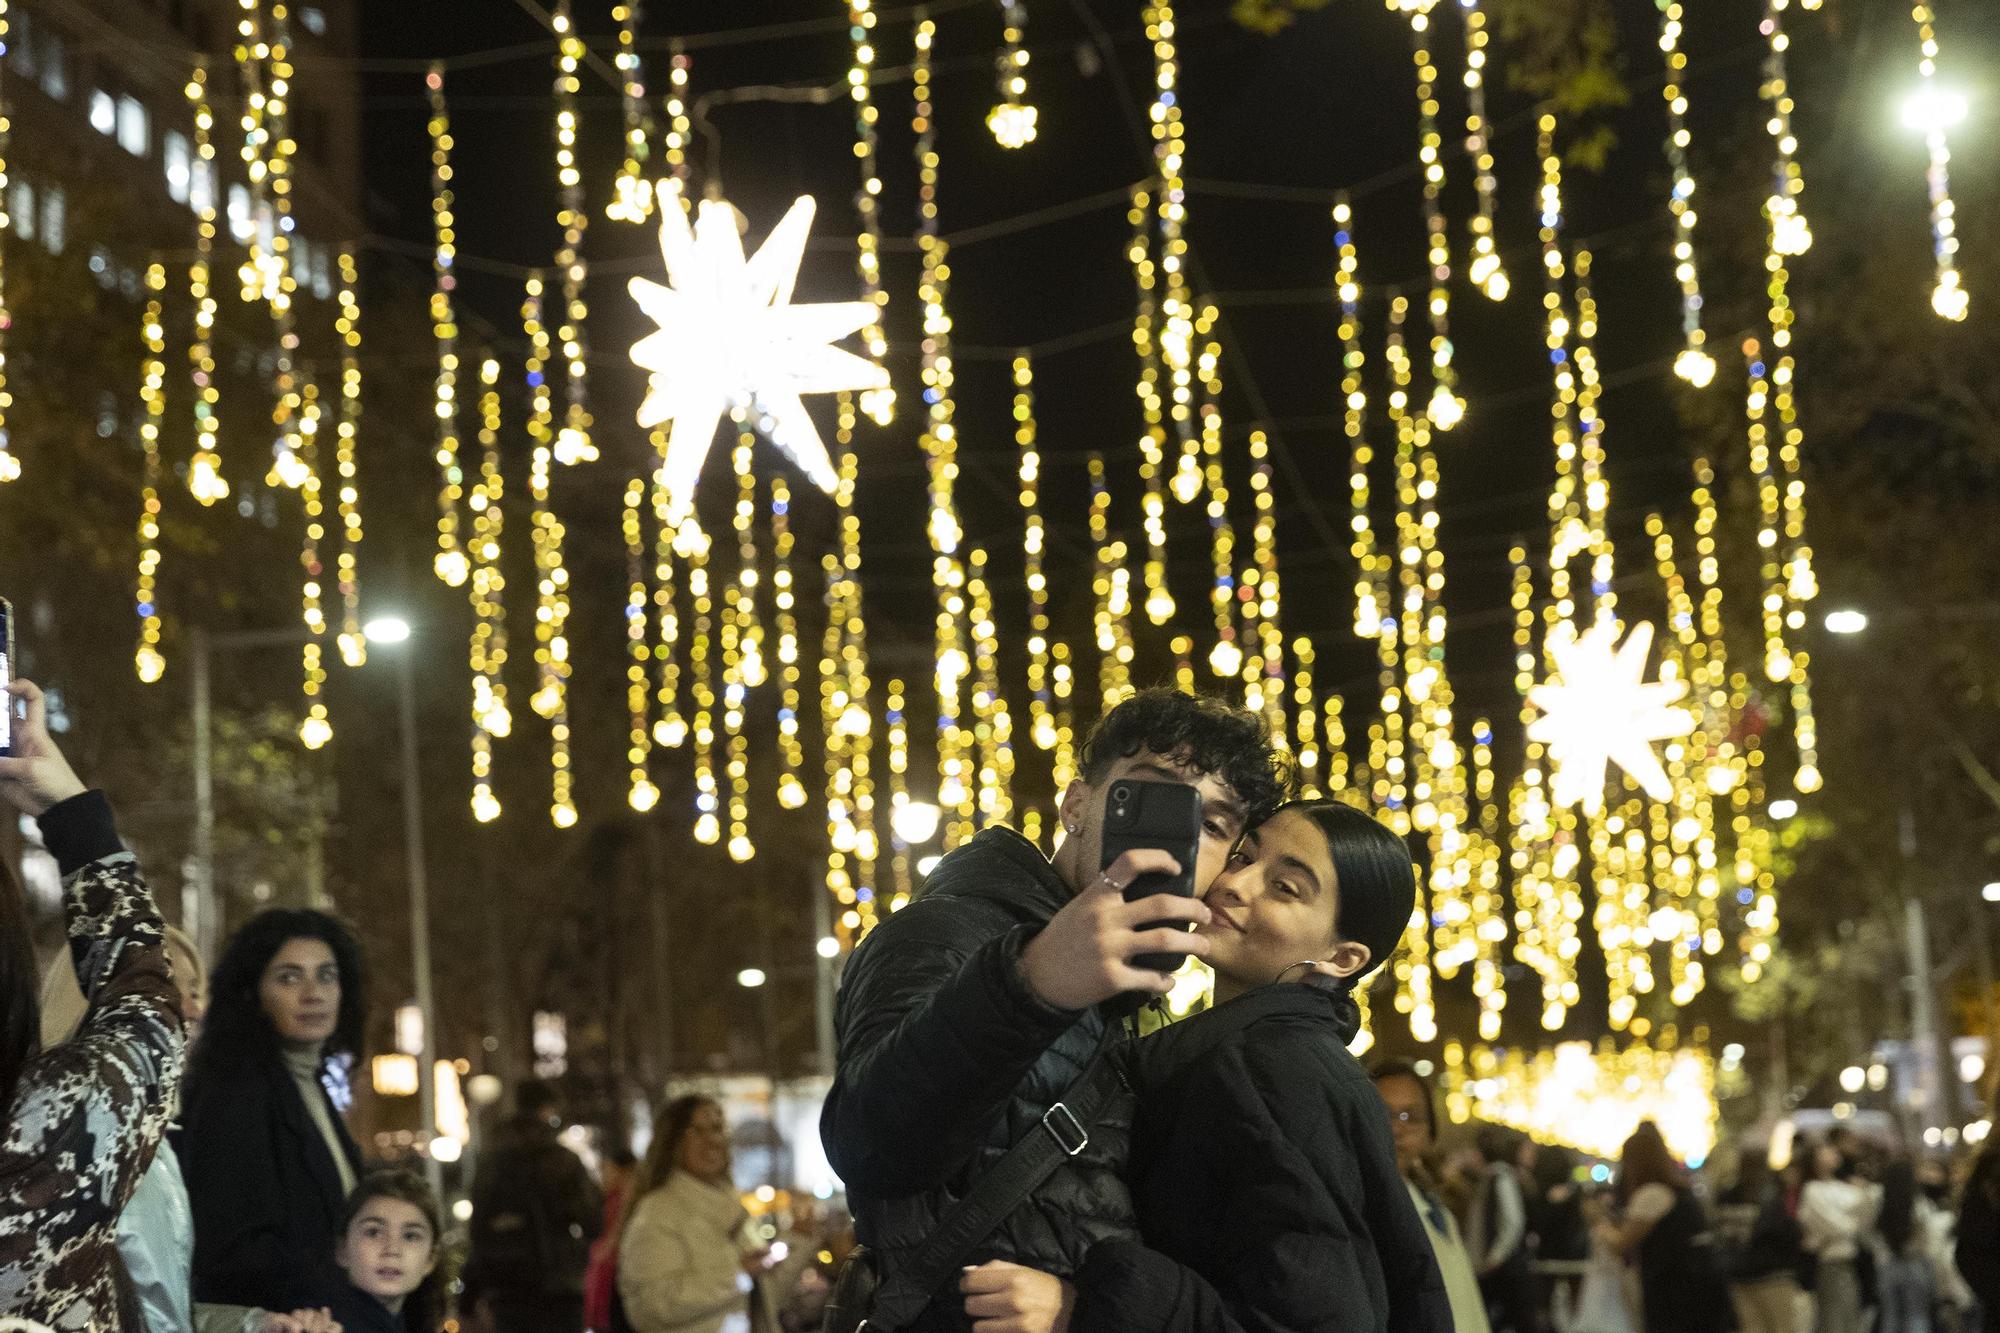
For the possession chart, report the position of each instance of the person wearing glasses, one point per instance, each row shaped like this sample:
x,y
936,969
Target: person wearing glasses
x,y
1413,1122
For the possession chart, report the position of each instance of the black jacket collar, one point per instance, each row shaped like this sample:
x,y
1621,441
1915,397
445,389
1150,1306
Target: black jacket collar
x,y
1001,866
312,1145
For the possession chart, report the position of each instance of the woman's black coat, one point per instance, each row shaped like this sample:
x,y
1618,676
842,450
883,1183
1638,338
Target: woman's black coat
x,y
265,1191
1266,1180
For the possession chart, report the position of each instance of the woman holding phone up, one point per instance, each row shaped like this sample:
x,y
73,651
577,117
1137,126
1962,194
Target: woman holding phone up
x,y
1262,1162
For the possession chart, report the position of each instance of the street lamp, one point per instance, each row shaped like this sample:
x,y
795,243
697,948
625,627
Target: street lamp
x,y
1991,893
1846,621
1932,110
750,978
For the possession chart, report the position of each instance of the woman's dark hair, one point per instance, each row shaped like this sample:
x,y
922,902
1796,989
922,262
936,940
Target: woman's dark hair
x,y
20,987
1898,1219
1377,880
670,1129
424,1307
237,1031
1554,1165
1646,1160
1498,1144
1205,734
1387,1069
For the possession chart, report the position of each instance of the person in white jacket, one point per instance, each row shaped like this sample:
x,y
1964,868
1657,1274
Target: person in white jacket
x,y
1837,1211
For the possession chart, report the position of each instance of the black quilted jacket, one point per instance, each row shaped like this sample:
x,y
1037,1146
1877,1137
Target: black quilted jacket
x,y
946,1058
1266,1182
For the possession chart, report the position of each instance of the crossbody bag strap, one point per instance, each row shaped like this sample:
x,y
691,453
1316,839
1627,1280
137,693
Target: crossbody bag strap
x,y
1064,1132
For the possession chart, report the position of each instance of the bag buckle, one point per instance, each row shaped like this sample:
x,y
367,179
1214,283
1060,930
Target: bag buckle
x,y
1071,1136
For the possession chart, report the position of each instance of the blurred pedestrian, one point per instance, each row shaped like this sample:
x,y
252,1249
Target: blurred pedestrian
x,y
1496,1235
1979,1233
83,1118
1663,1227
1558,1232
268,1159
1412,1109
684,1261
535,1211
1837,1211
388,1257
600,1281
1764,1263
1909,1289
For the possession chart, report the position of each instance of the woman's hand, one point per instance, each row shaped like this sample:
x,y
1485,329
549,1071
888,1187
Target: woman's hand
x,y
300,1321
36,776
1007,1298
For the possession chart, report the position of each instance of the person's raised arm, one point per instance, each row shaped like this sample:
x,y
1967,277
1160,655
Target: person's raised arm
x,y
934,1035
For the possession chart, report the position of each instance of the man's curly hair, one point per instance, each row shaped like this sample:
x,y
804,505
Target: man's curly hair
x,y
1204,734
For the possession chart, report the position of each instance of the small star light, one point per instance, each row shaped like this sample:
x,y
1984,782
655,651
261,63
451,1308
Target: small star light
x,y
1598,710
731,339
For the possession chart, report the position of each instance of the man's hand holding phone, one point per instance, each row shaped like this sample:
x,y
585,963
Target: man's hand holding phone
x,y
1083,957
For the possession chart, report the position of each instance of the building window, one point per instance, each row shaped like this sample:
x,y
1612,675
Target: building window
x,y
103,112
24,45
241,225
314,19
55,219
177,155
21,215
322,273
201,186
135,126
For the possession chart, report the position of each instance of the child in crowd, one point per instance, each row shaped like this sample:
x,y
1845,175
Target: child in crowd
x,y
388,1249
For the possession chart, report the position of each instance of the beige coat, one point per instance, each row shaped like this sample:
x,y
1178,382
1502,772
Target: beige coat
x,y
680,1265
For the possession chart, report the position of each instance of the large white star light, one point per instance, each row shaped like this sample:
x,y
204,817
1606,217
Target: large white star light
x,y
1598,710
731,339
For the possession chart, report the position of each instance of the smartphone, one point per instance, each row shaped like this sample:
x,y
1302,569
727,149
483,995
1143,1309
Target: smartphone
x,y
6,678
1166,815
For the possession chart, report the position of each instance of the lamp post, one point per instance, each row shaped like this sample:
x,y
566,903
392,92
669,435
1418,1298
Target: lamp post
x,y
393,630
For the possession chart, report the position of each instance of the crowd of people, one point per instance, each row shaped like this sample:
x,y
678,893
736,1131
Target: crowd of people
x,y
1028,1146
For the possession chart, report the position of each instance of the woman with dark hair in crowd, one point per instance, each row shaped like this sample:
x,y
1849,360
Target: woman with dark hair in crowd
x,y
1767,1254
268,1161
83,1119
1664,1228
1837,1211
1261,1160
1496,1234
1909,1289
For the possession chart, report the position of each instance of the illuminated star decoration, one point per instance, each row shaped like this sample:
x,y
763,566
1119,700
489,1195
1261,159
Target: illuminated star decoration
x,y
730,339
1598,710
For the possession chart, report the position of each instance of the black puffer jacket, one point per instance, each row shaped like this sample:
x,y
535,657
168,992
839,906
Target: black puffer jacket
x,y
1267,1185
946,1058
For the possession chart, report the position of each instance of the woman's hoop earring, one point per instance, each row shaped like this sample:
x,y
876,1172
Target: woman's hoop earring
x,y
1308,964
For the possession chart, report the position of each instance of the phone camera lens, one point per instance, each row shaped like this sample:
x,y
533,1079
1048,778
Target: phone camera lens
x,y
1120,795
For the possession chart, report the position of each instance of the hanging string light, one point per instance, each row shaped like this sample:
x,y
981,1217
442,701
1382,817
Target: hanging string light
x,y
1545,854
153,397
1337,764
1371,568
857,716
1446,409
552,590
205,480
1569,534
264,57
678,125
488,657
1486,272
347,425
1934,112
1777,656
940,445
1305,714
10,466
573,442
1152,443
899,793
1790,234
842,835
317,729
879,404
1012,119
1177,321
451,563
993,723
791,751
632,191
1225,659
741,657
1034,545
640,792
1264,670
691,544
669,727
1110,584
1694,364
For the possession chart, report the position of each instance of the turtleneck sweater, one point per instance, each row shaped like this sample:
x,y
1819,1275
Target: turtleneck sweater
x,y
304,1063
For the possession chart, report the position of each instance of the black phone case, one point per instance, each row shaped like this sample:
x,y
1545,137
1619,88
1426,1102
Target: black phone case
x,y
6,678
1166,815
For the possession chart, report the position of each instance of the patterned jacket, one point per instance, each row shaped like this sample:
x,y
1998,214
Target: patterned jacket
x,y
88,1115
